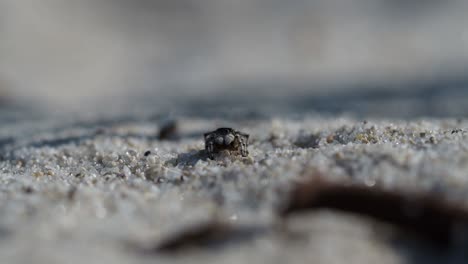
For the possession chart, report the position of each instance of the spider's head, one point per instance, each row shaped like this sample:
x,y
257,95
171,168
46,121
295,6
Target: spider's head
x,y
222,136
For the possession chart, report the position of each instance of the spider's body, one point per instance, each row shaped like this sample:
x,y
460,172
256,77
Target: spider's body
x,y
226,139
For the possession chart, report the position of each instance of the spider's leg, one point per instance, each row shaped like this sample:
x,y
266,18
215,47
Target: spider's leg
x,y
243,145
210,149
245,152
246,144
239,141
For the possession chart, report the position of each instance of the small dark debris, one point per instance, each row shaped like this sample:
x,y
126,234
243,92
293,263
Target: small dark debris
x,y
28,189
424,214
100,131
308,141
422,134
169,130
147,153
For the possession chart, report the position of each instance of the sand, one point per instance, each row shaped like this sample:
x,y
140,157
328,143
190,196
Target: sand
x,y
89,190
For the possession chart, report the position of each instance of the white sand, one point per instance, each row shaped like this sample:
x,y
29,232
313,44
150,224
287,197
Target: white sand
x,y
81,192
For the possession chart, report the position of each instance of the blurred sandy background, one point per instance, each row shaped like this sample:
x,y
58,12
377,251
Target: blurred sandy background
x,y
70,55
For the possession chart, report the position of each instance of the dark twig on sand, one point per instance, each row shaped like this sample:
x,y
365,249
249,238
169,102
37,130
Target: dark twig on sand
x,y
423,214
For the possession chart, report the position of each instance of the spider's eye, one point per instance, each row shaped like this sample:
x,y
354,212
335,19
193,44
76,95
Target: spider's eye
x,y
229,139
219,140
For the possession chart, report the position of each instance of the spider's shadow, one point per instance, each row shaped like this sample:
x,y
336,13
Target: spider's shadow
x,y
190,158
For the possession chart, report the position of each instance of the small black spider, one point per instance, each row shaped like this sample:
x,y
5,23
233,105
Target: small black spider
x,y
226,139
